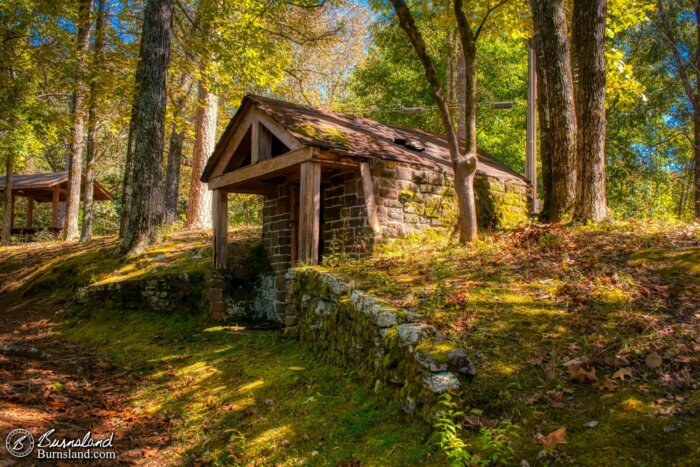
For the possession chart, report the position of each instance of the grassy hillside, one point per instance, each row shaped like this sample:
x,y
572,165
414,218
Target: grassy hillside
x,y
591,329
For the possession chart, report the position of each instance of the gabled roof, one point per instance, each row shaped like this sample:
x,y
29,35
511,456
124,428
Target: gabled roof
x,y
39,186
357,137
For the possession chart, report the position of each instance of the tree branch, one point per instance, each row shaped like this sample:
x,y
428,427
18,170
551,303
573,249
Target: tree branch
x,y
486,17
677,59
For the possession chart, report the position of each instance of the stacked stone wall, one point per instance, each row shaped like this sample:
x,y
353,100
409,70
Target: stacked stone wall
x,y
277,239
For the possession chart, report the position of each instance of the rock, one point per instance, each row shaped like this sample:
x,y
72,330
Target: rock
x,y
460,361
337,286
413,333
408,405
653,361
670,428
441,382
323,308
591,424
429,363
380,314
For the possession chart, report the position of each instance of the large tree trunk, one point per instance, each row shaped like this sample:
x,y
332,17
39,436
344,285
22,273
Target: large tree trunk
x,y
696,112
177,139
545,139
70,229
144,215
88,205
551,29
199,207
588,39
7,215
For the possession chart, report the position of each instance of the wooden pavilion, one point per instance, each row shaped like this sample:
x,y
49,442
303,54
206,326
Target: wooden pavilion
x,y
44,188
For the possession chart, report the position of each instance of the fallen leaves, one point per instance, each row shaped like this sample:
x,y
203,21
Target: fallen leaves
x,y
653,361
554,439
580,375
622,373
609,384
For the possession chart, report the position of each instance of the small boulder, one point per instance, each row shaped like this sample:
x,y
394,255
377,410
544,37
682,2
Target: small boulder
x,y
460,361
413,333
440,383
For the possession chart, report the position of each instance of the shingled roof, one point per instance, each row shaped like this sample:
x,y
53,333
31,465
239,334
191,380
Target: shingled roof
x,y
39,186
359,137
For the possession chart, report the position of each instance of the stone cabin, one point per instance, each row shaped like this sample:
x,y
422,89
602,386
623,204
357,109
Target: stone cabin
x,y
336,183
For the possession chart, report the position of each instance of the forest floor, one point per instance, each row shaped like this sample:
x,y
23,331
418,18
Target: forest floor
x,y
587,338
173,388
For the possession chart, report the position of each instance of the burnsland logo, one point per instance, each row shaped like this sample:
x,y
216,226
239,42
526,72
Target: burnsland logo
x,y
20,443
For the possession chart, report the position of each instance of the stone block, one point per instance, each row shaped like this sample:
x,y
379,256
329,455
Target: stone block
x,y
441,382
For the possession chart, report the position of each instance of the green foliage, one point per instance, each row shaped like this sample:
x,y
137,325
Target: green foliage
x,y
493,444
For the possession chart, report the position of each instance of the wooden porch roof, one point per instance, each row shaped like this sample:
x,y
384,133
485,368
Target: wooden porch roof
x,y
40,187
345,136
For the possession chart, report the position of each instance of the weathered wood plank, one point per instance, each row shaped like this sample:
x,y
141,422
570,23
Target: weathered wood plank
x,y
264,143
254,141
309,212
220,229
54,208
261,169
30,213
368,191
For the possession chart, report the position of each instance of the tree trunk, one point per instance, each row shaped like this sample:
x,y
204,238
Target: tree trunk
x,y
551,30
696,112
7,215
545,138
70,229
177,139
88,195
144,215
199,207
588,39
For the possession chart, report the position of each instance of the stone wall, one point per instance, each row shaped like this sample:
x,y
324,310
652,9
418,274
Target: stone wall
x,y
277,239
379,342
413,197
345,227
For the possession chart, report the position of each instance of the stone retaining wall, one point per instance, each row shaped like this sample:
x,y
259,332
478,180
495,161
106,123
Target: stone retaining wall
x,y
382,343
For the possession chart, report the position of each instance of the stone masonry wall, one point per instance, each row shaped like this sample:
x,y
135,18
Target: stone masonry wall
x,y
345,227
383,344
413,197
277,239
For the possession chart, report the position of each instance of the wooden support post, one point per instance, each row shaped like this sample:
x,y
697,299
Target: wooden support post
x,y
13,199
54,207
30,213
368,191
220,218
309,211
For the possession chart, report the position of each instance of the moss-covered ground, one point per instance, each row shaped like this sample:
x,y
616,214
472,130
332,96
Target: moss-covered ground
x,y
594,329
204,394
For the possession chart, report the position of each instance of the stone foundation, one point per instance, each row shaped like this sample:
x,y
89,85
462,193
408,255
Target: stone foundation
x,y
381,343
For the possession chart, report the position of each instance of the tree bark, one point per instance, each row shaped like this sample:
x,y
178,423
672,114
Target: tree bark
x,y
199,208
144,215
464,164
588,39
88,195
177,139
545,138
7,215
554,55
71,230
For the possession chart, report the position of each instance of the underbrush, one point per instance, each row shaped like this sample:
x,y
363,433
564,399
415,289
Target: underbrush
x,y
586,335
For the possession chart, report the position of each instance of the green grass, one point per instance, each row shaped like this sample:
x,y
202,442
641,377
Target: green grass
x,y
524,304
239,396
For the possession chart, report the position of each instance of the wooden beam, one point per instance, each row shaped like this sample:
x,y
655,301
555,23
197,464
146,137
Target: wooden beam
x,y
280,132
254,141
368,191
232,144
220,229
264,143
54,207
30,213
263,169
309,211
